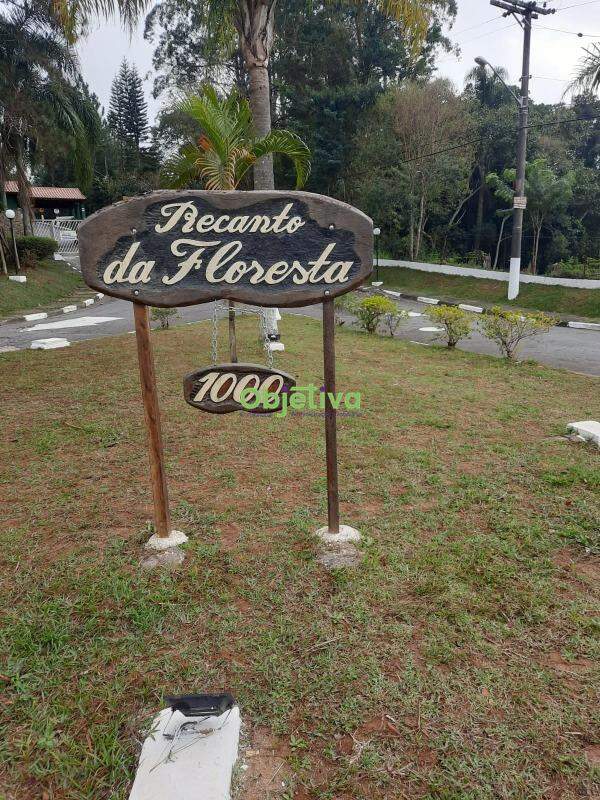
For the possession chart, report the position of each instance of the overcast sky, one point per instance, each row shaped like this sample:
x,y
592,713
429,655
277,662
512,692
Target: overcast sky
x,y
479,29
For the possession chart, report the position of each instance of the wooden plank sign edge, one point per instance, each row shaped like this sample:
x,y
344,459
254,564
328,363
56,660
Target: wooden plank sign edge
x,y
118,243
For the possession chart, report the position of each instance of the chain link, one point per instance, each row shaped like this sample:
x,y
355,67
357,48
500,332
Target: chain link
x,y
239,310
215,333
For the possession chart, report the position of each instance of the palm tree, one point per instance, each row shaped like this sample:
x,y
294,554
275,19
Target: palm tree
x,y
38,88
227,146
588,71
254,24
225,149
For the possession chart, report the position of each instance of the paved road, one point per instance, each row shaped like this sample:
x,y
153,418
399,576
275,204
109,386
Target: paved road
x,y
574,350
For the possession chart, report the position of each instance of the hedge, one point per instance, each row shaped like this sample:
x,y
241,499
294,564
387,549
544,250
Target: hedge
x,y
40,246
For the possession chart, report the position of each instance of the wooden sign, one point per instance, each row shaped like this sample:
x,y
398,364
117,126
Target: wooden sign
x,y
270,248
219,389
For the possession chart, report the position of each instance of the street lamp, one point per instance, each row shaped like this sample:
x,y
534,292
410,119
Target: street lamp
x,y
520,201
10,215
376,234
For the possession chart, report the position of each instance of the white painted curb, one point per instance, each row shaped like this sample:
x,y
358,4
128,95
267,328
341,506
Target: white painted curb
x,y
53,343
588,430
431,300
588,326
393,294
34,317
276,347
99,295
68,309
475,309
18,278
195,763
89,302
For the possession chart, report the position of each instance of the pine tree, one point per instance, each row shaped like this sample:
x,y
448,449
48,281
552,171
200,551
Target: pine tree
x,y
128,113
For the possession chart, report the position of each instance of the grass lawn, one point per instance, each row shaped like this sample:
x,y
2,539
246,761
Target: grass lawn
x,y
459,662
50,282
556,299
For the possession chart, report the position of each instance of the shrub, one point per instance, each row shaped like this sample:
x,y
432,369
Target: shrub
x,y
509,328
344,304
162,316
371,310
394,319
40,247
455,321
586,268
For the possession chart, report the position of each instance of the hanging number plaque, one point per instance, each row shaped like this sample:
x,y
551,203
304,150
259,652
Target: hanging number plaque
x,y
274,248
223,388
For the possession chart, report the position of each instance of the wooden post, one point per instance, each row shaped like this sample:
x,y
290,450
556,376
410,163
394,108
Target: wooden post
x,y
158,477
333,503
232,340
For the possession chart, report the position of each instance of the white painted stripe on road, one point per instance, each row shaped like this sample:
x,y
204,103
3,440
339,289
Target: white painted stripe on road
x,y
8,349
415,314
431,300
33,317
68,309
89,302
475,309
49,344
432,330
78,322
587,326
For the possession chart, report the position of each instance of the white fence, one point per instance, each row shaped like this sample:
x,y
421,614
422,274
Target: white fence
x,y
64,231
491,275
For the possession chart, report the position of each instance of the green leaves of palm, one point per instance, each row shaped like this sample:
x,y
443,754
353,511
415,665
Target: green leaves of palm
x,y
227,148
588,71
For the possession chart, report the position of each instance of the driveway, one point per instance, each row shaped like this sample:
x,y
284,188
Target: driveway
x,y
566,348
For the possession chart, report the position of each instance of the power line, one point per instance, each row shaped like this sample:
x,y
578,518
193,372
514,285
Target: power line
x,y
577,5
475,38
572,33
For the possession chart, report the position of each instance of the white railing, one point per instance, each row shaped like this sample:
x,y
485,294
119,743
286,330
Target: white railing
x,y
63,230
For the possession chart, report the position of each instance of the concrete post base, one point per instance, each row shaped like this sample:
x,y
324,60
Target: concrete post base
x,y
346,534
156,542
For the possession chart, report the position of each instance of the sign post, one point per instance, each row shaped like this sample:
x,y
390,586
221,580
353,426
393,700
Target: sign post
x,y
267,248
333,502
158,478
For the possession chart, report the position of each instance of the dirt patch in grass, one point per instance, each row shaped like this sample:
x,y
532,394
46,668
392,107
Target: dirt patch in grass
x,y
469,625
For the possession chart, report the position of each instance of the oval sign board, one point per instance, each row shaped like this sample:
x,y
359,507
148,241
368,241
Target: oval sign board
x,y
223,388
266,248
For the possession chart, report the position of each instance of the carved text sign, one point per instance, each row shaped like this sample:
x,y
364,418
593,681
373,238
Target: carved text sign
x,y
266,248
221,388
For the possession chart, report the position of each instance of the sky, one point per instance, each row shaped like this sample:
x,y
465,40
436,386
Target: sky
x,y
479,29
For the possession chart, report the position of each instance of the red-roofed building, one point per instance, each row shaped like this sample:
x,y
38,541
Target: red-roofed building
x,y
50,201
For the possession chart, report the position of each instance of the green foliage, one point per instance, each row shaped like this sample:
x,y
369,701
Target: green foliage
x,y
509,328
163,316
370,311
455,321
588,268
40,247
226,148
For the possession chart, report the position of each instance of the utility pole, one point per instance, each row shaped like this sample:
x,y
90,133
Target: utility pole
x,y
528,11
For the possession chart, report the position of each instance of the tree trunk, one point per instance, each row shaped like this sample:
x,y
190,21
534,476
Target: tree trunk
x,y
412,231
255,24
260,103
24,192
420,227
536,247
499,241
480,207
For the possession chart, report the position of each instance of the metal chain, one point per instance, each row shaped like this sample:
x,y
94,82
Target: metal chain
x,y
215,333
264,331
265,336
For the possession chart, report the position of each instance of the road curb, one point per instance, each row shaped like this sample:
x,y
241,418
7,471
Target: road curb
x,y
55,312
434,301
